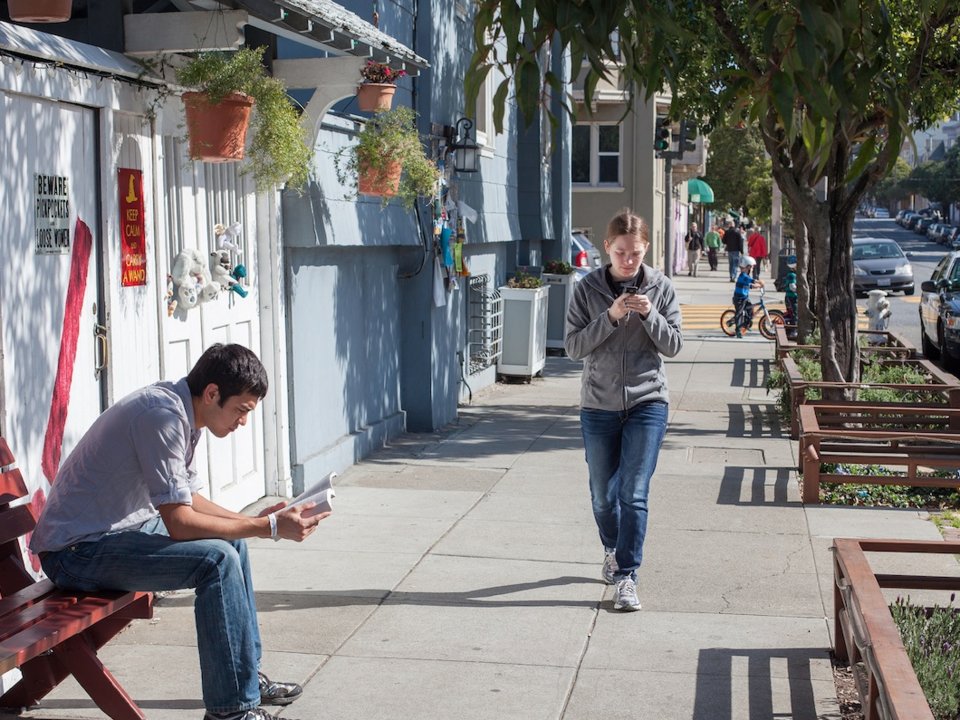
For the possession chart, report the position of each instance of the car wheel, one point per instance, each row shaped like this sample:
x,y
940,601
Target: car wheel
x,y
910,290
930,351
950,363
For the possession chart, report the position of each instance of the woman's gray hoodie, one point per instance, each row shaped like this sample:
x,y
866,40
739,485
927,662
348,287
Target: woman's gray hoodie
x,y
621,361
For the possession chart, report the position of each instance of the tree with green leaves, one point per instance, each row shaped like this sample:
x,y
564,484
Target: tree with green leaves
x,y
732,152
833,86
892,188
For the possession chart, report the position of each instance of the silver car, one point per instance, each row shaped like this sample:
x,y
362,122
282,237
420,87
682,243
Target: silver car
x,y
880,264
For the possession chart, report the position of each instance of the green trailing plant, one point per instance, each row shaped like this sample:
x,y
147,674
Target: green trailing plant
x,y
390,136
524,281
931,638
558,267
278,149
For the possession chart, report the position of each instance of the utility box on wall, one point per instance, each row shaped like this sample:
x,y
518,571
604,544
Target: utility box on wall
x,y
561,292
524,331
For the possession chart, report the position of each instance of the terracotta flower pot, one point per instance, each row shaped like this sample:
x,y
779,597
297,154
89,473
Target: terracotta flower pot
x,y
39,11
217,132
383,181
375,96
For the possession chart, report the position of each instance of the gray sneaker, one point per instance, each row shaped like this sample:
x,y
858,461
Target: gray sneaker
x,y
610,567
626,595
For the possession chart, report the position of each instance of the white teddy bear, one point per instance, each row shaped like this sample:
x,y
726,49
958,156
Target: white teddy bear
x,y
191,276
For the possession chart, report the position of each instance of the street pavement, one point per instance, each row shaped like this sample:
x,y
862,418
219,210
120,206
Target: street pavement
x,y
459,576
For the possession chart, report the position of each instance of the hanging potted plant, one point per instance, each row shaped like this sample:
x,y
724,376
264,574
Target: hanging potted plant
x,y
228,87
379,85
39,11
388,159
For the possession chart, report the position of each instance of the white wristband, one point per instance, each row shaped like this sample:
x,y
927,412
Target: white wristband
x,y
272,517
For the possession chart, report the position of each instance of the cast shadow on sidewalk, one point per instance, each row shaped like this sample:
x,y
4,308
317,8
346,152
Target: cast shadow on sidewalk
x,y
764,422
767,486
750,373
721,695
485,597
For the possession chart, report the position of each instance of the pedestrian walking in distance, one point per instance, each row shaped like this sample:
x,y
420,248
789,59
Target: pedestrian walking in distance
x,y
733,242
694,243
623,317
712,242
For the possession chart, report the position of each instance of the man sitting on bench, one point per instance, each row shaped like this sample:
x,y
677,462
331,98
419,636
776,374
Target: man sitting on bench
x,y
124,514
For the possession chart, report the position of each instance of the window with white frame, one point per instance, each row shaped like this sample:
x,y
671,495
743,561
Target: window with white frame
x,y
596,155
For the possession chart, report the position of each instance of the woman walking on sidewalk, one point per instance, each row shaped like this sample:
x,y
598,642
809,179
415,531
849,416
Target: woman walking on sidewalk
x,y
621,319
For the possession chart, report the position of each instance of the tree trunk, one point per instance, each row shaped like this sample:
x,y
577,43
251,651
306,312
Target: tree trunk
x,y
805,281
839,359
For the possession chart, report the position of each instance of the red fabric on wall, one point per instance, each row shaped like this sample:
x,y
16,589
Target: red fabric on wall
x,y
76,288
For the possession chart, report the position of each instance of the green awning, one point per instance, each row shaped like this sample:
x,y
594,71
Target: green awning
x,y
699,192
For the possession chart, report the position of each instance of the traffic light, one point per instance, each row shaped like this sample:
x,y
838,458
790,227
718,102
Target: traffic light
x,y
661,134
688,136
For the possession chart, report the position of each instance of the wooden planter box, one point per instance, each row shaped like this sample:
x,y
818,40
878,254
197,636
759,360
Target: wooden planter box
x,y
942,389
865,634
561,292
904,437
524,331
895,346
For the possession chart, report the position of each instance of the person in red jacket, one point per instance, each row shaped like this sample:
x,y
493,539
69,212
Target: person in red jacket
x,y
757,249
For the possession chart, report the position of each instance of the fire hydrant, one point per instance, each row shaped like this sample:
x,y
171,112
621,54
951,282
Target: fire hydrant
x,y
878,310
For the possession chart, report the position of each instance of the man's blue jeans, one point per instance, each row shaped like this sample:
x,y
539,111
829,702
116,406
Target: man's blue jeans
x,y
228,638
733,260
622,450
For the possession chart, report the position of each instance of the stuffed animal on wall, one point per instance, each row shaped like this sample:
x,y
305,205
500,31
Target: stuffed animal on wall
x,y
228,236
221,273
192,279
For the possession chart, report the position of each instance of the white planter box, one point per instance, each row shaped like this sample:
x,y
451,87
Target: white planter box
x,y
524,331
561,292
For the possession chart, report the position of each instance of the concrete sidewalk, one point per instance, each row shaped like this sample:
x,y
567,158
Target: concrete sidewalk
x,y
459,574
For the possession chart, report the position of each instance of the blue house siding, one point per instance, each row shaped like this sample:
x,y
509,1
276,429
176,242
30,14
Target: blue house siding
x,y
370,352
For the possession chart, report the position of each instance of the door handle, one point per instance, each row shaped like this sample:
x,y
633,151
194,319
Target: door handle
x,y
101,349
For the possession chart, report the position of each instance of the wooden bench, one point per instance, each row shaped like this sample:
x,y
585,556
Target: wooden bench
x,y
901,437
942,389
49,633
865,635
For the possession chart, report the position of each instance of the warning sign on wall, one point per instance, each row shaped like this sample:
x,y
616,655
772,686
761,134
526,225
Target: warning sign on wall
x,y
52,210
133,250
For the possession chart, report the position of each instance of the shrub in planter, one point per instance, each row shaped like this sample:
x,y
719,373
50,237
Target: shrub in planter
x,y
558,267
278,149
379,85
524,281
388,159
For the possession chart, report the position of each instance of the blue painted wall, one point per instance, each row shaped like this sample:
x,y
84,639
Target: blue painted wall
x,y
369,350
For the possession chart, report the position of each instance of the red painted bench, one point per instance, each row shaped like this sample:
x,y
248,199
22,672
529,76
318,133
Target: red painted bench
x,y
49,633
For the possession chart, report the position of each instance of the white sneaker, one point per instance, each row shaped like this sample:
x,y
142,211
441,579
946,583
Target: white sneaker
x,y
626,595
610,567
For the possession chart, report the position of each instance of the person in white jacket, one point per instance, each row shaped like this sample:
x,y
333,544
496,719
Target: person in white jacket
x,y
622,319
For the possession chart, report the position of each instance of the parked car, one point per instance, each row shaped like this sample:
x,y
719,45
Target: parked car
x,y
879,263
583,253
881,213
907,218
940,312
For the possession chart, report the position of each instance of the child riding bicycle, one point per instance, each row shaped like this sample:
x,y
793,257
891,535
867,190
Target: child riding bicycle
x,y
741,293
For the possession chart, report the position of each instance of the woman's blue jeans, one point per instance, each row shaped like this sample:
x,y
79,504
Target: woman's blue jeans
x,y
622,450
228,638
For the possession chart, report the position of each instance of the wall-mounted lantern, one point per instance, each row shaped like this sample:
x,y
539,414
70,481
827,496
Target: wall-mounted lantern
x,y
466,152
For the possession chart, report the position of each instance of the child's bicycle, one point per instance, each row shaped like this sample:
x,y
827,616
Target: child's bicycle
x,y
769,319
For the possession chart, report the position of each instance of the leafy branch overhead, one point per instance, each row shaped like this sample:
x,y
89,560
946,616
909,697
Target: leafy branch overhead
x,y
834,88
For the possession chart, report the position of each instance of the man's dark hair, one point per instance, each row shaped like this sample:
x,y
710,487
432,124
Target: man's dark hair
x,y
234,369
